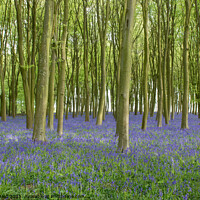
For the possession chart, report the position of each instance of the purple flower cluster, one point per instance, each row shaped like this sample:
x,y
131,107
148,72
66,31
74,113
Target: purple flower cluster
x,y
163,163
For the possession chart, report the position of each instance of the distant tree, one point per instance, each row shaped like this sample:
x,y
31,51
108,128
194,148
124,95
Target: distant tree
x,y
123,117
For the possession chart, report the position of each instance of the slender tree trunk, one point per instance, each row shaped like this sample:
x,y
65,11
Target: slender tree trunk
x,y
85,40
102,24
3,74
3,101
43,75
198,55
34,7
29,116
184,123
52,72
77,78
160,86
62,71
123,117
172,63
165,100
13,82
146,63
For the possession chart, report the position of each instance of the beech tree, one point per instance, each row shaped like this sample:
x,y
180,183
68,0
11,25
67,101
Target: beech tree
x,y
146,63
160,85
184,122
102,27
62,71
23,69
123,117
43,74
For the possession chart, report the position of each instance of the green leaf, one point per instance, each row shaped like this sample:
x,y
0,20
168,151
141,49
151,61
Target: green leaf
x,y
161,181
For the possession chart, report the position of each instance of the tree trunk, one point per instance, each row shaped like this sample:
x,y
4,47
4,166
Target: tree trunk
x,y
184,122
85,40
29,116
146,63
198,55
43,75
165,100
125,71
102,32
52,72
13,82
172,63
160,85
33,56
62,71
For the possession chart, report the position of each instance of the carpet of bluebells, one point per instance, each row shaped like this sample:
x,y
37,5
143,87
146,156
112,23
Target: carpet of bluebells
x,y
163,163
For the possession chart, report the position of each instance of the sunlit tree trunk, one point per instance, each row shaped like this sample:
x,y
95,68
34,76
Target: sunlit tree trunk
x,y
184,123
43,75
123,117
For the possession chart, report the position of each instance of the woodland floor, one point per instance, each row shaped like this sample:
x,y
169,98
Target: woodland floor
x,y
163,163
